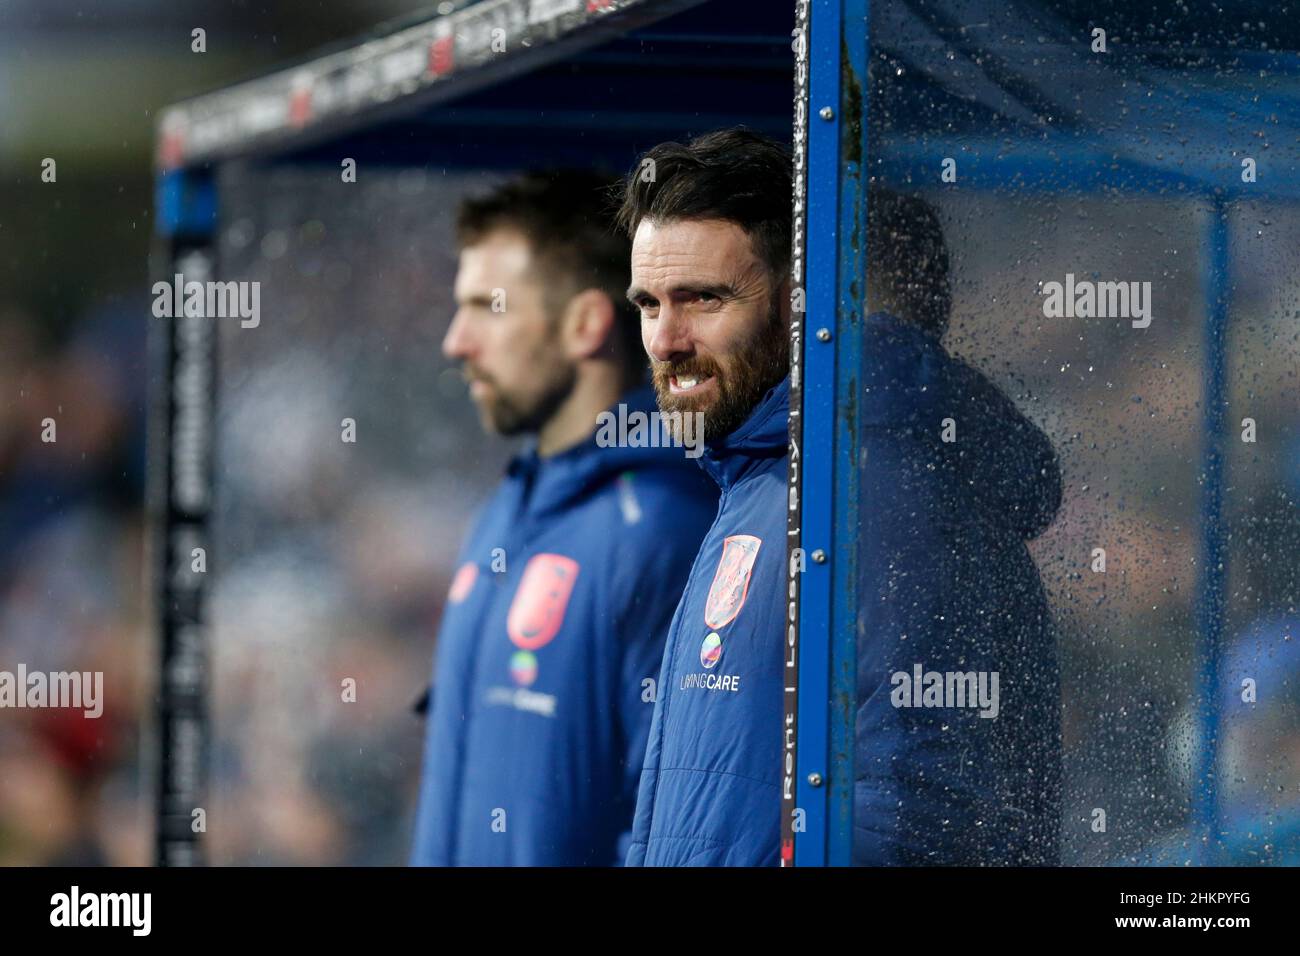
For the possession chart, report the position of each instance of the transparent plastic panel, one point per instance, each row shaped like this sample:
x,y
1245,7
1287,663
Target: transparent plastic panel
x,y
1095,210
1258,726
349,460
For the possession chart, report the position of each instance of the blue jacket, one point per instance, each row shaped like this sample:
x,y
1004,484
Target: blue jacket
x,y
710,789
542,684
947,584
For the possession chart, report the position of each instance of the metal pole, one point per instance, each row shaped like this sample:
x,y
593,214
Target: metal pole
x,y
817,453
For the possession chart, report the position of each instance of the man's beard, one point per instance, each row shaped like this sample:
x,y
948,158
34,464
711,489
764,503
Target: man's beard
x,y
757,366
510,414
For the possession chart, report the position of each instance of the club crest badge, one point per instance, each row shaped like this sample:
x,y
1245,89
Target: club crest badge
x,y
731,580
463,582
537,610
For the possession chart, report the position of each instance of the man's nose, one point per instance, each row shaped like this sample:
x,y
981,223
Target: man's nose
x,y
458,343
670,338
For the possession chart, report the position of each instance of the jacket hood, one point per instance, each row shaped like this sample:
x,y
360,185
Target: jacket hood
x,y
559,480
765,434
1004,468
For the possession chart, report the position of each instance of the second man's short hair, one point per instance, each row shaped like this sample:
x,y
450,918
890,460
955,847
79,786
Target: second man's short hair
x,y
567,217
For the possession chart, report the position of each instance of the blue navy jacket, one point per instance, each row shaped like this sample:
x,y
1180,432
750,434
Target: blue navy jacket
x,y
947,584
545,667
710,789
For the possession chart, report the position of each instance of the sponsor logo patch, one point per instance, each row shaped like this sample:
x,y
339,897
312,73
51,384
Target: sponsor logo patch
x,y
731,580
537,610
521,698
710,650
523,668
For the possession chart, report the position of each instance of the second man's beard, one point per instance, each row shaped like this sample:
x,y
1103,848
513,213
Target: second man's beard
x,y
757,366
508,415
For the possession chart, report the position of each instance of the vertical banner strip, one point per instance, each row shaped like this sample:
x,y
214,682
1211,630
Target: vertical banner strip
x,y
796,562
180,498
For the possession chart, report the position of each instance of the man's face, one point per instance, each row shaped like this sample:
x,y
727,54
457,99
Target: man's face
x,y
505,338
712,320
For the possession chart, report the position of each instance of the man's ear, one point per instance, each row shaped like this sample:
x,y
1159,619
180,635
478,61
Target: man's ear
x,y
587,325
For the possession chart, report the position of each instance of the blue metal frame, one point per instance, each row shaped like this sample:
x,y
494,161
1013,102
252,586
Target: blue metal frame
x,y
1073,165
186,203
819,397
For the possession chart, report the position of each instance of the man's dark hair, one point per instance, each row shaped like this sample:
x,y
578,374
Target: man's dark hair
x,y
907,260
567,217
732,174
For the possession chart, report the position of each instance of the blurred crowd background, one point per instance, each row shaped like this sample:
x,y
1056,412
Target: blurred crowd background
x,y
82,84
331,560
